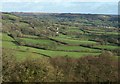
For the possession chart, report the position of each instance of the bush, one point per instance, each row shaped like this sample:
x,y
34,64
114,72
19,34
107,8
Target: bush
x,y
29,70
97,69
102,68
8,63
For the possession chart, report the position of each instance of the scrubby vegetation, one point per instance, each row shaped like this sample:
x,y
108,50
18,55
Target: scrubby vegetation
x,y
102,68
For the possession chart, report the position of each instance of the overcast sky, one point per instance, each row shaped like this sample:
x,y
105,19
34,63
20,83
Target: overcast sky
x,y
61,6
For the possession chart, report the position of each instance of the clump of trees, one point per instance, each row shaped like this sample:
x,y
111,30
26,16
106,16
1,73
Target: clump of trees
x,y
102,68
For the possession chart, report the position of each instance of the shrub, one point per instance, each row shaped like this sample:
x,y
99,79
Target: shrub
x,y
29,70
102,68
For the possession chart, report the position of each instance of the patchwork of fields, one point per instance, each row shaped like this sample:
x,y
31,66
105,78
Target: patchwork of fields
x,y
22,51
74,49
71,37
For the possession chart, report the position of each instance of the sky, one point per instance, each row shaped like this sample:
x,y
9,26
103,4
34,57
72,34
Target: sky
x,y
61,6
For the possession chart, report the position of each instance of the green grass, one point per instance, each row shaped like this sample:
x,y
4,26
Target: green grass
x,y
10,16
63,36
97,29
112,33
76,48
0,35
8,44
26,51
30,36
37,41
58,53
7,41
76,42
23,52
101,32
61,53
29,50
20,55
5,37
108,47
73,27
26,55
74,30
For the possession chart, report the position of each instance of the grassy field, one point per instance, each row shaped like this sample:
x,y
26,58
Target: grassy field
x,y
61,53
63,36
10,16
22,51
5,37
19,51
76,42
61,50
103,32
108,47
74,31
30,36
37,41
77,48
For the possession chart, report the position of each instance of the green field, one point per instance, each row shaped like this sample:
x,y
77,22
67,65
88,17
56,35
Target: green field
x,y
37,41
73,30
108,47
22,51
77,48
76,42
